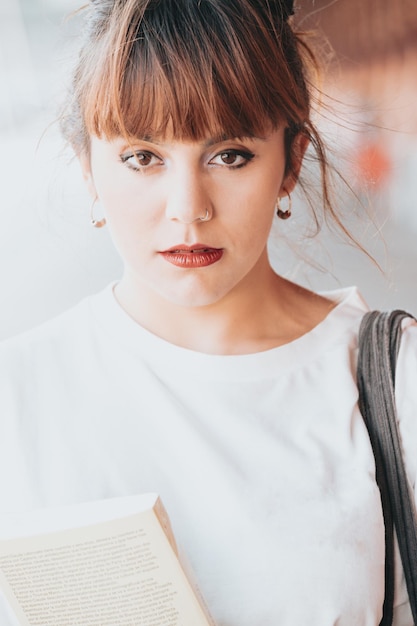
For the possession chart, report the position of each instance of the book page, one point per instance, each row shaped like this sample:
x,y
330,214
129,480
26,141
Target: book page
x,y
118,573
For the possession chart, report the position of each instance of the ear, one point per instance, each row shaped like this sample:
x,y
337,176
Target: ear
x,y
85,164
298,148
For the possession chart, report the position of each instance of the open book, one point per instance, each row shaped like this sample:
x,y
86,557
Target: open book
x,y
106,563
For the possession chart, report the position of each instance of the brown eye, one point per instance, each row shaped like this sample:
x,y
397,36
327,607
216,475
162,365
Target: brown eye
x,y
232,159
143,158
229,158
140,160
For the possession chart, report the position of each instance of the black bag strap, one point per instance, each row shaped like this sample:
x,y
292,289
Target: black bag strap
x,y
379,342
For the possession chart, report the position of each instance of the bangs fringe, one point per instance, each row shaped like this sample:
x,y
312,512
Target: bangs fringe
x,y
194,81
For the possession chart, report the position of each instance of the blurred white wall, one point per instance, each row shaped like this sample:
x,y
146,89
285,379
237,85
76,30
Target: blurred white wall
x,y
50,256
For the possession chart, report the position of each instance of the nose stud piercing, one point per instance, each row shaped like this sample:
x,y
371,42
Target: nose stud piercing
x,y
205,218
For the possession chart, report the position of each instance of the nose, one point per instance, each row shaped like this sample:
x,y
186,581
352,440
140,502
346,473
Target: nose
x,y
187,199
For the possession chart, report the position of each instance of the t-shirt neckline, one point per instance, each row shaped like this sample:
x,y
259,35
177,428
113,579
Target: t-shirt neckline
x,y
140,343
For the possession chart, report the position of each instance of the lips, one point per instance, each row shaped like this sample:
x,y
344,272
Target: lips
x,y
194,256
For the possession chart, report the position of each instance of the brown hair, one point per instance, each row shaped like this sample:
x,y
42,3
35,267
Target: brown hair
x,y
196,67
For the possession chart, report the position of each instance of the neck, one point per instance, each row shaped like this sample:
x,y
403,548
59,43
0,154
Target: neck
x,y
262,312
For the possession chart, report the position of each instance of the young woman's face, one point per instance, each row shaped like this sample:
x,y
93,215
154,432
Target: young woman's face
x,y
154,192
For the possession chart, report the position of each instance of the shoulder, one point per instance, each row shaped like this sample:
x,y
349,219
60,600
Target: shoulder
x,y
341,326
406,375
50,346
408,349
406,392
53,333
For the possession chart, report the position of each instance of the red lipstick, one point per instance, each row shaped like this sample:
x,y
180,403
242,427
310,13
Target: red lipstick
x,y
194,256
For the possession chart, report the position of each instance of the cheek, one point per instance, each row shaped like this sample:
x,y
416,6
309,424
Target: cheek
x,y
117,188
257,203
114,194
256,212
264,187
133,223
127,204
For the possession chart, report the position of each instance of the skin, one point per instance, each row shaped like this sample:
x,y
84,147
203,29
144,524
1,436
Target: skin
x,y
152,190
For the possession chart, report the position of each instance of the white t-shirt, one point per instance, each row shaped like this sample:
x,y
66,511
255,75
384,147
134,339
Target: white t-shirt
x,y
262,460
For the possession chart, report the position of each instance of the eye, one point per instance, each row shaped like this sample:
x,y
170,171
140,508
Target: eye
x,y
140,159
233,159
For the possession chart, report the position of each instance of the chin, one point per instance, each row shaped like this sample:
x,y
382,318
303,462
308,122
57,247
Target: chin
x,y
194,298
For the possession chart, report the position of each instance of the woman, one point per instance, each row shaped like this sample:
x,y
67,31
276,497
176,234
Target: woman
x,y
202,374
